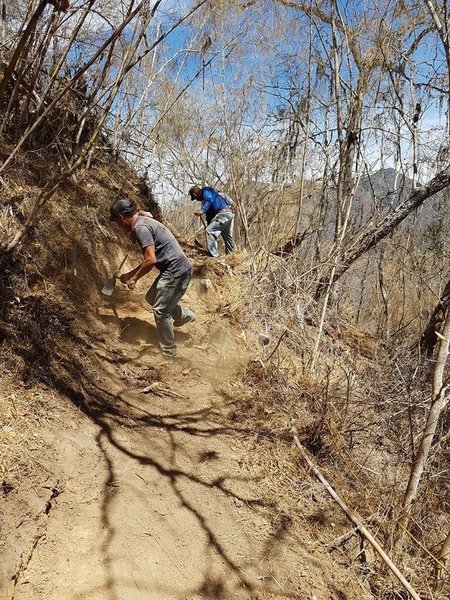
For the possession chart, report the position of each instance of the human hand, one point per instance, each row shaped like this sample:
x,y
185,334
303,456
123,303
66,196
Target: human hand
x,y
124,278
198,213
131,284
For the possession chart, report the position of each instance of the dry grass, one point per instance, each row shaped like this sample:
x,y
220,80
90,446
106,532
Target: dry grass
x,y
355,414
52,280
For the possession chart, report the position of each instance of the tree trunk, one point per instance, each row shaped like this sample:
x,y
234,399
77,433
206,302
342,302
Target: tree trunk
x,y
439,400
383,228
21,46
429,338
3,22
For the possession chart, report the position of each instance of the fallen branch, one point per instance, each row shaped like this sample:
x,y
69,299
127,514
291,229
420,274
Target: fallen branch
x,y
353,516
342,539
158,390
388,223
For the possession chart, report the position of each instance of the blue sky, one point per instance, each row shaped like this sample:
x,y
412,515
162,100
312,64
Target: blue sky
x,y
268,59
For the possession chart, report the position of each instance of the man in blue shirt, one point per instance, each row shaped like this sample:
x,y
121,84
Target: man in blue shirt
x,y
219,216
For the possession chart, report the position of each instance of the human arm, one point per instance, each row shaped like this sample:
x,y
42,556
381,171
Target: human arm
x,y
149,261
207,200
126,276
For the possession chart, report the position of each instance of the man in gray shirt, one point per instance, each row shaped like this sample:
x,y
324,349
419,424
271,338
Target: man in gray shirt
x,y
160,250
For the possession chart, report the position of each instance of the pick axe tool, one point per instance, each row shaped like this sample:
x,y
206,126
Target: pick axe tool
x,y
109,286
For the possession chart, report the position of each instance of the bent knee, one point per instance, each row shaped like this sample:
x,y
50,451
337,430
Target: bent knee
x,y
161,314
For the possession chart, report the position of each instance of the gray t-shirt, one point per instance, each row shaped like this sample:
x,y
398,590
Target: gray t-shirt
x,y
170,258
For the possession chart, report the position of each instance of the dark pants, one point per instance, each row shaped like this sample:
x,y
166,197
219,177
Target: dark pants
x,y
163,296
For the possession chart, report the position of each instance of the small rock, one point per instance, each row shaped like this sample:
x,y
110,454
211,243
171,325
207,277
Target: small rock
x,y
207,283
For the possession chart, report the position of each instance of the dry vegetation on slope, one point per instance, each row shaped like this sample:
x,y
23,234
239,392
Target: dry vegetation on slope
x,y
76,427
123,477
69,357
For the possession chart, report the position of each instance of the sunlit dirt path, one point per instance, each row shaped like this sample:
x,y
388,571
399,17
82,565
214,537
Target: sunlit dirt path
x,y
154,501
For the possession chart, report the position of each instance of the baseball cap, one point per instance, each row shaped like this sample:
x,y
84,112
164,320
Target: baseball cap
x,y
120,207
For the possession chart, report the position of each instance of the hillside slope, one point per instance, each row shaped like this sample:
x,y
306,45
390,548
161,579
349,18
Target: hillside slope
x,y
125,477
142,487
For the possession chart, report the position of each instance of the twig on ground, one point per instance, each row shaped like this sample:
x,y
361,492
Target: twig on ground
x,y
353,516
277,345
156,389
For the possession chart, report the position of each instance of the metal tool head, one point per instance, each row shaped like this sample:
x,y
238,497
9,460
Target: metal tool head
x,y
109,286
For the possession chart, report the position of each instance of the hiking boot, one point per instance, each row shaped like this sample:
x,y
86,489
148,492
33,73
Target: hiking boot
x,y
188,317
167,358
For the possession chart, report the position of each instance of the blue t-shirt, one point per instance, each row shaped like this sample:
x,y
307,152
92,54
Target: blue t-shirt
x,y
212,203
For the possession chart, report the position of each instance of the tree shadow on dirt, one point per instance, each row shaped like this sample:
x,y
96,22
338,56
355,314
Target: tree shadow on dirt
x,y
112,415
132,330
137,331
168,438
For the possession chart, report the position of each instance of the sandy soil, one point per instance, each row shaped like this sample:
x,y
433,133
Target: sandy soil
x,y
149,497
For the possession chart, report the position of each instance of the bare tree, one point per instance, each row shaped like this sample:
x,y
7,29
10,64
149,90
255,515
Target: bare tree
x,y
439,400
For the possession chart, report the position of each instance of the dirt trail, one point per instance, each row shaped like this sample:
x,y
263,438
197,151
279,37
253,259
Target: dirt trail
x,y
154,501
